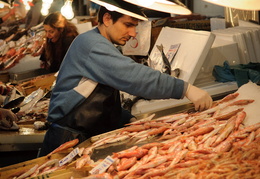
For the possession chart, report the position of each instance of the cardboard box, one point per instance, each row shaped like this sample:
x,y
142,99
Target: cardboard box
x,y
44,82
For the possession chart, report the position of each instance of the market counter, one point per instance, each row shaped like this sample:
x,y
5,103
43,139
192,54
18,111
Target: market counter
x,y
115,144
27,138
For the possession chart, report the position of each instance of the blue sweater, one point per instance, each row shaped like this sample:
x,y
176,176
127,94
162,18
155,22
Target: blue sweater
x,y
92,56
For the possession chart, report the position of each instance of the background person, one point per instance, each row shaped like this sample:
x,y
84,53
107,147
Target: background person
x,y
59,35
85,100
34,16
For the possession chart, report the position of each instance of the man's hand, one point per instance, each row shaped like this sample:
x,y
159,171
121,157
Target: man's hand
x,y
6,119
200,98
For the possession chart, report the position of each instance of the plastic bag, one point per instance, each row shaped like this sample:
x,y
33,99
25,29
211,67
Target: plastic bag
x,y
242,73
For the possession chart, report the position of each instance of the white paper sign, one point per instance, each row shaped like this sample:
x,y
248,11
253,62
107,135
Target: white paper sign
x,y
140,44
69,157
103,166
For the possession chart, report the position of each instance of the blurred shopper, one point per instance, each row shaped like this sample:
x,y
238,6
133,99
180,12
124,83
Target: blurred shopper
x,y
34,16
59,35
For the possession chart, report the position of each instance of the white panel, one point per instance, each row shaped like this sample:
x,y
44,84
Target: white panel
x,y
84,27
192,52
239,39
248,41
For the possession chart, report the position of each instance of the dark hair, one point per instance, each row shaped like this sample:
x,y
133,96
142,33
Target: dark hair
x,y
57,21
67,31
114,15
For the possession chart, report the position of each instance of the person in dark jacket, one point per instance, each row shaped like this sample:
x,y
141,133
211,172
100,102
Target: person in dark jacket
x,y
59,35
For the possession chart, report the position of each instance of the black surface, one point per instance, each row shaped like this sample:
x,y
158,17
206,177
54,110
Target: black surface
x,y
10,158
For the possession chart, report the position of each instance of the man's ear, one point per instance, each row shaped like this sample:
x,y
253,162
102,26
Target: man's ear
x,y
107,19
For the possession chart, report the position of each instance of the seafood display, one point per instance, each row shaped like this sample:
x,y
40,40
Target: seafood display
x,y
11,52
30,99
214,143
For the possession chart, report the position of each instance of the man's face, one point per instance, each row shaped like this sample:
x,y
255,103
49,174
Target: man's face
x,y
122,30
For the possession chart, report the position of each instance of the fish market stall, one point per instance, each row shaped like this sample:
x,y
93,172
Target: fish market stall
x,y
196,139
29,99
222,141
20,56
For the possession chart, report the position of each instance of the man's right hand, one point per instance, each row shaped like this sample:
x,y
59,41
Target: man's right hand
x,y
200,98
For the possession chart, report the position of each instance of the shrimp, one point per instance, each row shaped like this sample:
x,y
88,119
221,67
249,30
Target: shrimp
x,y
139,153
64,146
126,163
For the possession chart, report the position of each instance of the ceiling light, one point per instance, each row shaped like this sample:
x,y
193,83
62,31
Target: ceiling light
x,y
122,7
67,10
168,6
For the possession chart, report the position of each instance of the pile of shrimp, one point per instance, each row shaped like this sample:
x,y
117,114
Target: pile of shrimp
x,y
210,144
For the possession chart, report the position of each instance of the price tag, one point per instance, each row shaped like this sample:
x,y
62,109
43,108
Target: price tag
x,y
69,157
103,166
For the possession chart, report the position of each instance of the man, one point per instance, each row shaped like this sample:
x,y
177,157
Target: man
x,y
85,100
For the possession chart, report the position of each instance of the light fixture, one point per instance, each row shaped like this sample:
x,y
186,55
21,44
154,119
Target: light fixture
x,y
122,7
145,3
27,4
168,6
46,4
4,4
238,4
67,10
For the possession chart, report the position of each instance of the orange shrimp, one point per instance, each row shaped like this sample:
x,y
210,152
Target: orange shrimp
x,y
82,161
126,163
135,128
157,130
139,153
201,131
240,118
242,102
64,146
225,132
228,115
